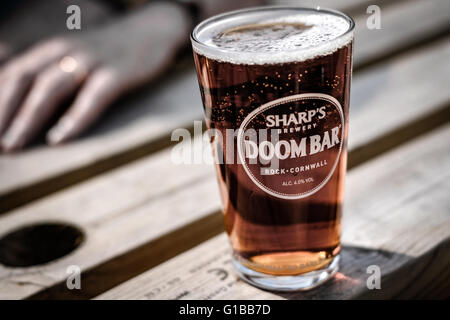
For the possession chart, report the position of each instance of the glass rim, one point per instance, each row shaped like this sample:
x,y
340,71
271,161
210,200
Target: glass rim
x,y
195,41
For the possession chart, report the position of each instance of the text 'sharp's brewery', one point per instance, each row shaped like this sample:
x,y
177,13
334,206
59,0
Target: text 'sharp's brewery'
x,y
275,84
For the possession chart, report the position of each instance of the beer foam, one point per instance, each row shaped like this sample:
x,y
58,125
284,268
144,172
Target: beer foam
x,y
272,36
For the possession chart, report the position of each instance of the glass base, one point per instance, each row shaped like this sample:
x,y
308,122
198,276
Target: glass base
x,y
302,282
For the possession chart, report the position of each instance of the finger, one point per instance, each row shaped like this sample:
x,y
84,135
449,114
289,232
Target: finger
x,y
99,91
39,56
49,90
17,75
12,92
5,52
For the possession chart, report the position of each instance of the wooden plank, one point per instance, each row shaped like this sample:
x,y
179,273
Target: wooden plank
x,y
153,199
352,7
140,126
412,86
347,6
404,25
136,126
396,216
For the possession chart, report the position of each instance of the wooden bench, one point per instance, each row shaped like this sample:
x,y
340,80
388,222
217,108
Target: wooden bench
x,y
396,217
153,229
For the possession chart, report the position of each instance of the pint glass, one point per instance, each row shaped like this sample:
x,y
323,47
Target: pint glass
x,y
275,84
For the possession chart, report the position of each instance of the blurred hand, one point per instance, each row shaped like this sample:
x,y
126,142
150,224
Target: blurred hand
x,y
98,67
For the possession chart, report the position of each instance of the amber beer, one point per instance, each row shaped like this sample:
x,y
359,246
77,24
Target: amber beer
x,y
275,83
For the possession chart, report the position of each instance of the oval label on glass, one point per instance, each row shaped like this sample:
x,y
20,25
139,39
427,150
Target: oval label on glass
x,y
290,147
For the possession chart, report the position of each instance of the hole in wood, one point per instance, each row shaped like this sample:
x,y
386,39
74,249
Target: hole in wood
x,y
38,244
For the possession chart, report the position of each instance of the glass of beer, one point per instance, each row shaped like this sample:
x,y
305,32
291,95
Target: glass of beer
x,y
275,84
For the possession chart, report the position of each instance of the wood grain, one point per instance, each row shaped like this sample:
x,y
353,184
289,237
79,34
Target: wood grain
x,y
126,212
404,25
351,7
396,216
142,125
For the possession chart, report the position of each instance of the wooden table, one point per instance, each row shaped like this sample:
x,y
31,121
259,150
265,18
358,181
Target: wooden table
x,y
151,229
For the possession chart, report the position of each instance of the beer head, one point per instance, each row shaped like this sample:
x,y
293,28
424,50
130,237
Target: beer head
x,y
272,35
